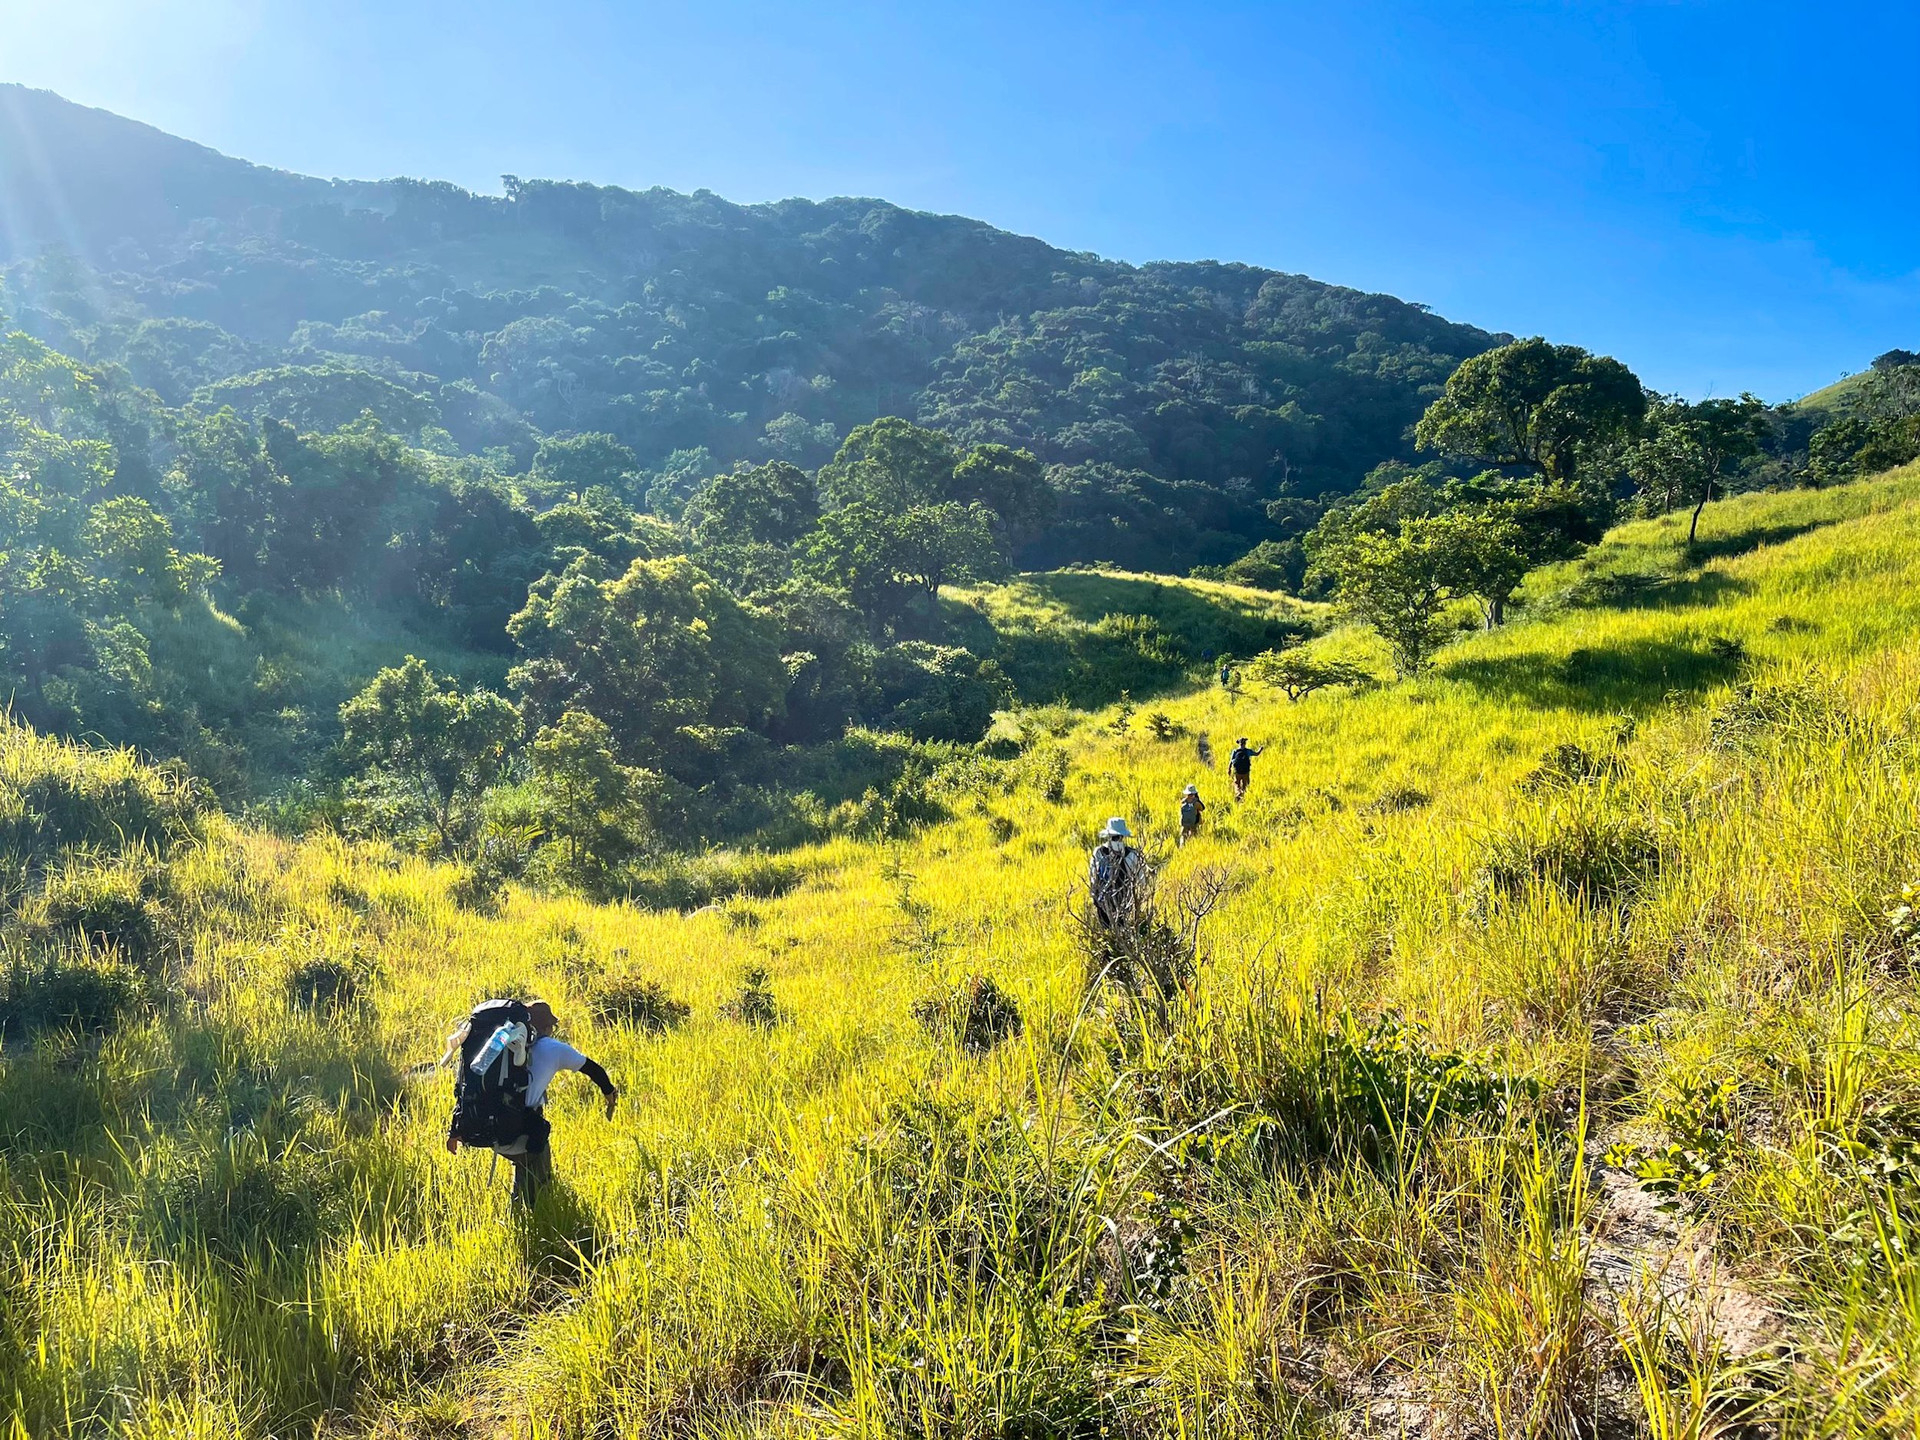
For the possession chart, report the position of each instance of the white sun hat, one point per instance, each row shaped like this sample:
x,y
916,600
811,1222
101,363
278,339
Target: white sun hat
x,y
1117,826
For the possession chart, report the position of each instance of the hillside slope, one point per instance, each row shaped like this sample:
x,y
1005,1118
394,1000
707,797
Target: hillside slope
x,y
700,332
1622,871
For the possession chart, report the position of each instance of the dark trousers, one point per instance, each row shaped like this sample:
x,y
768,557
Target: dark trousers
x,y
533,1168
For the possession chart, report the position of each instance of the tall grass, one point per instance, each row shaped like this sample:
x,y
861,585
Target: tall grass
x,y
1341,1175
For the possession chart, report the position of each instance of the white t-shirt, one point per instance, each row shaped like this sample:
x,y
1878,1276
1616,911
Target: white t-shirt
x,y
548,1058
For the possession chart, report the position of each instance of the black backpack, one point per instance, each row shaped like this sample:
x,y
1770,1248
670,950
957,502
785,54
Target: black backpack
x,y
490,1105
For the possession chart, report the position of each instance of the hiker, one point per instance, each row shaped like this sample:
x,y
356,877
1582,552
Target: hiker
x,y
1240,766
1192,810
1116,875
1226,672
508,1056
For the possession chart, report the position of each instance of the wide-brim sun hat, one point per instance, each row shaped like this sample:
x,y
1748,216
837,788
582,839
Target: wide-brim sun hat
x,y
1117,826
1193,790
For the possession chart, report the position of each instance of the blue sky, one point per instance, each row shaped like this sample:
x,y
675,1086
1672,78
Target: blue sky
x,y
1723,193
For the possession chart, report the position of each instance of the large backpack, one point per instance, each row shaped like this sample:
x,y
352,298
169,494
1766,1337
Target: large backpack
x,y
1190,813
490,1103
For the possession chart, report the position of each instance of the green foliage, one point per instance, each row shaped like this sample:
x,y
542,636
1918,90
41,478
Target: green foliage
x,y
975,1014
447,745
1699,1130
59,799
576,464
1545,407
658,649
772,504
77,991
600,810
643,1004
754,1004
1399,583
1297,674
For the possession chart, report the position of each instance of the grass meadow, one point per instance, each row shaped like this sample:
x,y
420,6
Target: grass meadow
x,y
1531,1054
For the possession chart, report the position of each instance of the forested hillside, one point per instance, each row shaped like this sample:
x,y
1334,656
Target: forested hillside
x,y
1169,402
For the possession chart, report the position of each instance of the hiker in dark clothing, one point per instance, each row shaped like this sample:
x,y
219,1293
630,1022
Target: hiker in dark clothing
x,y
531,1152
1240,766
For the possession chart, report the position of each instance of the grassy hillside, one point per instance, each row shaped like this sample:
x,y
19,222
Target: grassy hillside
x,y
1603,900
1084,636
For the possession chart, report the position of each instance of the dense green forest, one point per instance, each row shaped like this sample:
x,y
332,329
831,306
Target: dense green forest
x,y
1168,403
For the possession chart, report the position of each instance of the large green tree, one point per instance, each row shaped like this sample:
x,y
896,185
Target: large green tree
x,y
890,463
598,809
575,464
1688,449
659,648
771,504
1536,406
1399,582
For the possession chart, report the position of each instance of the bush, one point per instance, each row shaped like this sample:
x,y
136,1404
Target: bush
x,y
57,797
976,1013
326,983
630,1000
680,882
1564,766
754,1005
77,991
107,909
1396,799
1583,851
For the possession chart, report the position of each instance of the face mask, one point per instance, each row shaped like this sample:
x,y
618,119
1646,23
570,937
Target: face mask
x,y
1116,844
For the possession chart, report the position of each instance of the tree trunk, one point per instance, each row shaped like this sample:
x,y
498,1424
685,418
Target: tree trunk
x,y
1693,530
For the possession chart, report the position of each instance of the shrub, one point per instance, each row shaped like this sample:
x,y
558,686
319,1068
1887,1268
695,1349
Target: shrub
x,y
1565,765
1584,851
1699,1129
1163,727
1045,768
67,989
107,909
1396,799
1806,704
326,983
754,1005
631,1000
57,797
976,1013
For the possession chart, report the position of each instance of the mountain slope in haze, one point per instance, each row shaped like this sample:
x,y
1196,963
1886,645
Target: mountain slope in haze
x,y
1172,401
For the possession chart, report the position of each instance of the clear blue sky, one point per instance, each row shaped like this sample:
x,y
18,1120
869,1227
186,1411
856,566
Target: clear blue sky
x,y
1723,193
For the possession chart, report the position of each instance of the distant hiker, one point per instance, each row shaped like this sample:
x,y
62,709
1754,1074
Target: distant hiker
x,y
1116,876
1240,766
1226,673
1192,810
508,1057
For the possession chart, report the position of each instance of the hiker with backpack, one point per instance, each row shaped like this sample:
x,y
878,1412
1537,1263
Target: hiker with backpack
x,y
1240,766
1192,810
1116,876
508,1055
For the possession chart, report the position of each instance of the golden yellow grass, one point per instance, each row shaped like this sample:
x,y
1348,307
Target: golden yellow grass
x,y
235,1216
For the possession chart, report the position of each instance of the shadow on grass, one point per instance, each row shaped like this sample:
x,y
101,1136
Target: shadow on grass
x,y
1099,635
1744,542
1633,676
1652,590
